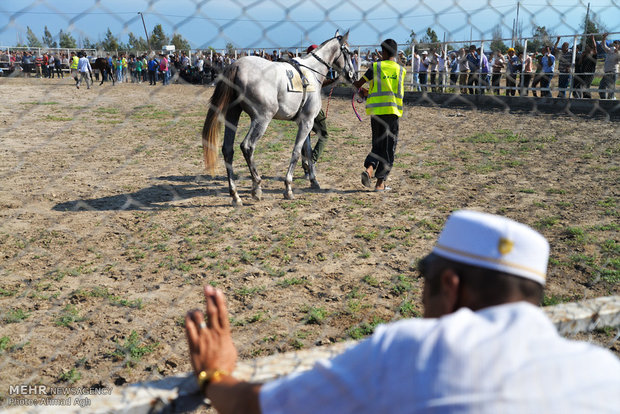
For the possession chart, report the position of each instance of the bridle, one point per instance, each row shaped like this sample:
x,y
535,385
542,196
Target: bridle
x,y
344,50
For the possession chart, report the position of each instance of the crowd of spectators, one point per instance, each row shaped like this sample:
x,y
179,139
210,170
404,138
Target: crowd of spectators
x,y
467,70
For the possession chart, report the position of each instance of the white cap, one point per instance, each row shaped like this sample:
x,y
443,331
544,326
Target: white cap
x,y
494,242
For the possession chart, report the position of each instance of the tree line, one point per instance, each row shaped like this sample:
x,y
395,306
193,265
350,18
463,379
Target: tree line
x,y
65,40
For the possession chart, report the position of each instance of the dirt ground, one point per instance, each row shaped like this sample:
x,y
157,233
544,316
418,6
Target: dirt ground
x,y
109,225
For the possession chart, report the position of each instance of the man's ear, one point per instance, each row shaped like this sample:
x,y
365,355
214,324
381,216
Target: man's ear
x,y
450,290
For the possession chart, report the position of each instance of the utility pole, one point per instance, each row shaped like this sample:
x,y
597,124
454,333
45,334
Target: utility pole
x,y
585,29
517,22
145,32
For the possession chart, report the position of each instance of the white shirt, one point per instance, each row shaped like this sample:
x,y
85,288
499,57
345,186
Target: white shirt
x,y
84,65
503,359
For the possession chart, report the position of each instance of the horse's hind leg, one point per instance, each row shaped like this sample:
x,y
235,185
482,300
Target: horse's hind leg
x,y
257,129
228,150
302,133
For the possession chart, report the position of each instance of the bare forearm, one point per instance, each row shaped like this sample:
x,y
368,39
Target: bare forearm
x,y
230,396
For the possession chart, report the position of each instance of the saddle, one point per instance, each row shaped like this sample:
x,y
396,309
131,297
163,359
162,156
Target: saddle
x,y
298,82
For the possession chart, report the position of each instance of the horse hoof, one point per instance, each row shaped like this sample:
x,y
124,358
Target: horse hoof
x,y
257,195
314,184
289,195
236,202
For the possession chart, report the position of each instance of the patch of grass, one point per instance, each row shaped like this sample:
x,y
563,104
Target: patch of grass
x,y
315,315
69,315
547,222
555,300
5,341
610,247
102,292
575,235
107,110
371,281
133,349
408,310
292,281
42,103
4,292
246,292
420,176
527,191
15,316
70,376
58,118
364,329
368,235
401,285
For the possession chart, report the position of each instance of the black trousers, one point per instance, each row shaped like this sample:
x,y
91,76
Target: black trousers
x,y
384,139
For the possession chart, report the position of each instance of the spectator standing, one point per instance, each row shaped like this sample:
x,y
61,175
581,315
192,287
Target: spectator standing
x,y
454,69
58,67
432,69
513,67
124,69
442,70
538,75
424,63
584,71
483,346
46,65
484,72
564,57
607,87
38,63
138,65
463,70
153,65
163,68
526,75
497,63
548,67
85,70
385,107
473,63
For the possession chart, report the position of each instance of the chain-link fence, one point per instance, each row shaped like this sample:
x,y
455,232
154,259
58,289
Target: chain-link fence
x,y
110,225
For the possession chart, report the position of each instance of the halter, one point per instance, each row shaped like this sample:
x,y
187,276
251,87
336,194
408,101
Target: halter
x,y
343,51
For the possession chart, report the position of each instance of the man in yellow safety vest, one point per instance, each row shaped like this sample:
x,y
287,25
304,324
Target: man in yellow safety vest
x,y
384,104
73,66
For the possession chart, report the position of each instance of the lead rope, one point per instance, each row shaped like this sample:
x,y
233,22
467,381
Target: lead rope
x,y
329,97
359,100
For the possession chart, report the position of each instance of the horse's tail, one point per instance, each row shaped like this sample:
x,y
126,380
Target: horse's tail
x,y
222,96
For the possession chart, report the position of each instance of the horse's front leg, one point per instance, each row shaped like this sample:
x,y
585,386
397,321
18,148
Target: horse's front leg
x,y
248,145
302,133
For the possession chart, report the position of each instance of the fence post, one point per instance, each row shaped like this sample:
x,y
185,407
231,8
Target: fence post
x,y
572,67
523,66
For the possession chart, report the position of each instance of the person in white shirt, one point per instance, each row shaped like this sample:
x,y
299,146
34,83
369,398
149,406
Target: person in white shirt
x,y
84,70
607,87
483,346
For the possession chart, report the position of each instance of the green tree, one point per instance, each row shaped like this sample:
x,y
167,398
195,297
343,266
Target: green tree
x,y
110,42
179,42
32,39
592,25
87,44
497,43
230,48
158,38
429,40
48,39
136,43
65,40
541,37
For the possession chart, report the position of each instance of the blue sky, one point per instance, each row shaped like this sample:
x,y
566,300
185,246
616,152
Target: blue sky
x,y
282,23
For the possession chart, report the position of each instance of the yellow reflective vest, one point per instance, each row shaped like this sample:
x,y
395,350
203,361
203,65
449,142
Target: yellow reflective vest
x,y
74,62
385,96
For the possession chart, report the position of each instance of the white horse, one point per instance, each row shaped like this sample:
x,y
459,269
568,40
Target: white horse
x,y
268,90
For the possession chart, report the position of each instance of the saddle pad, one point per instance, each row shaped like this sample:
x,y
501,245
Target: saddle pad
x,y
294,80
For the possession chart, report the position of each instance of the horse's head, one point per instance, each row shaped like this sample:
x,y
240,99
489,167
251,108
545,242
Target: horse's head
x,y
343,61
